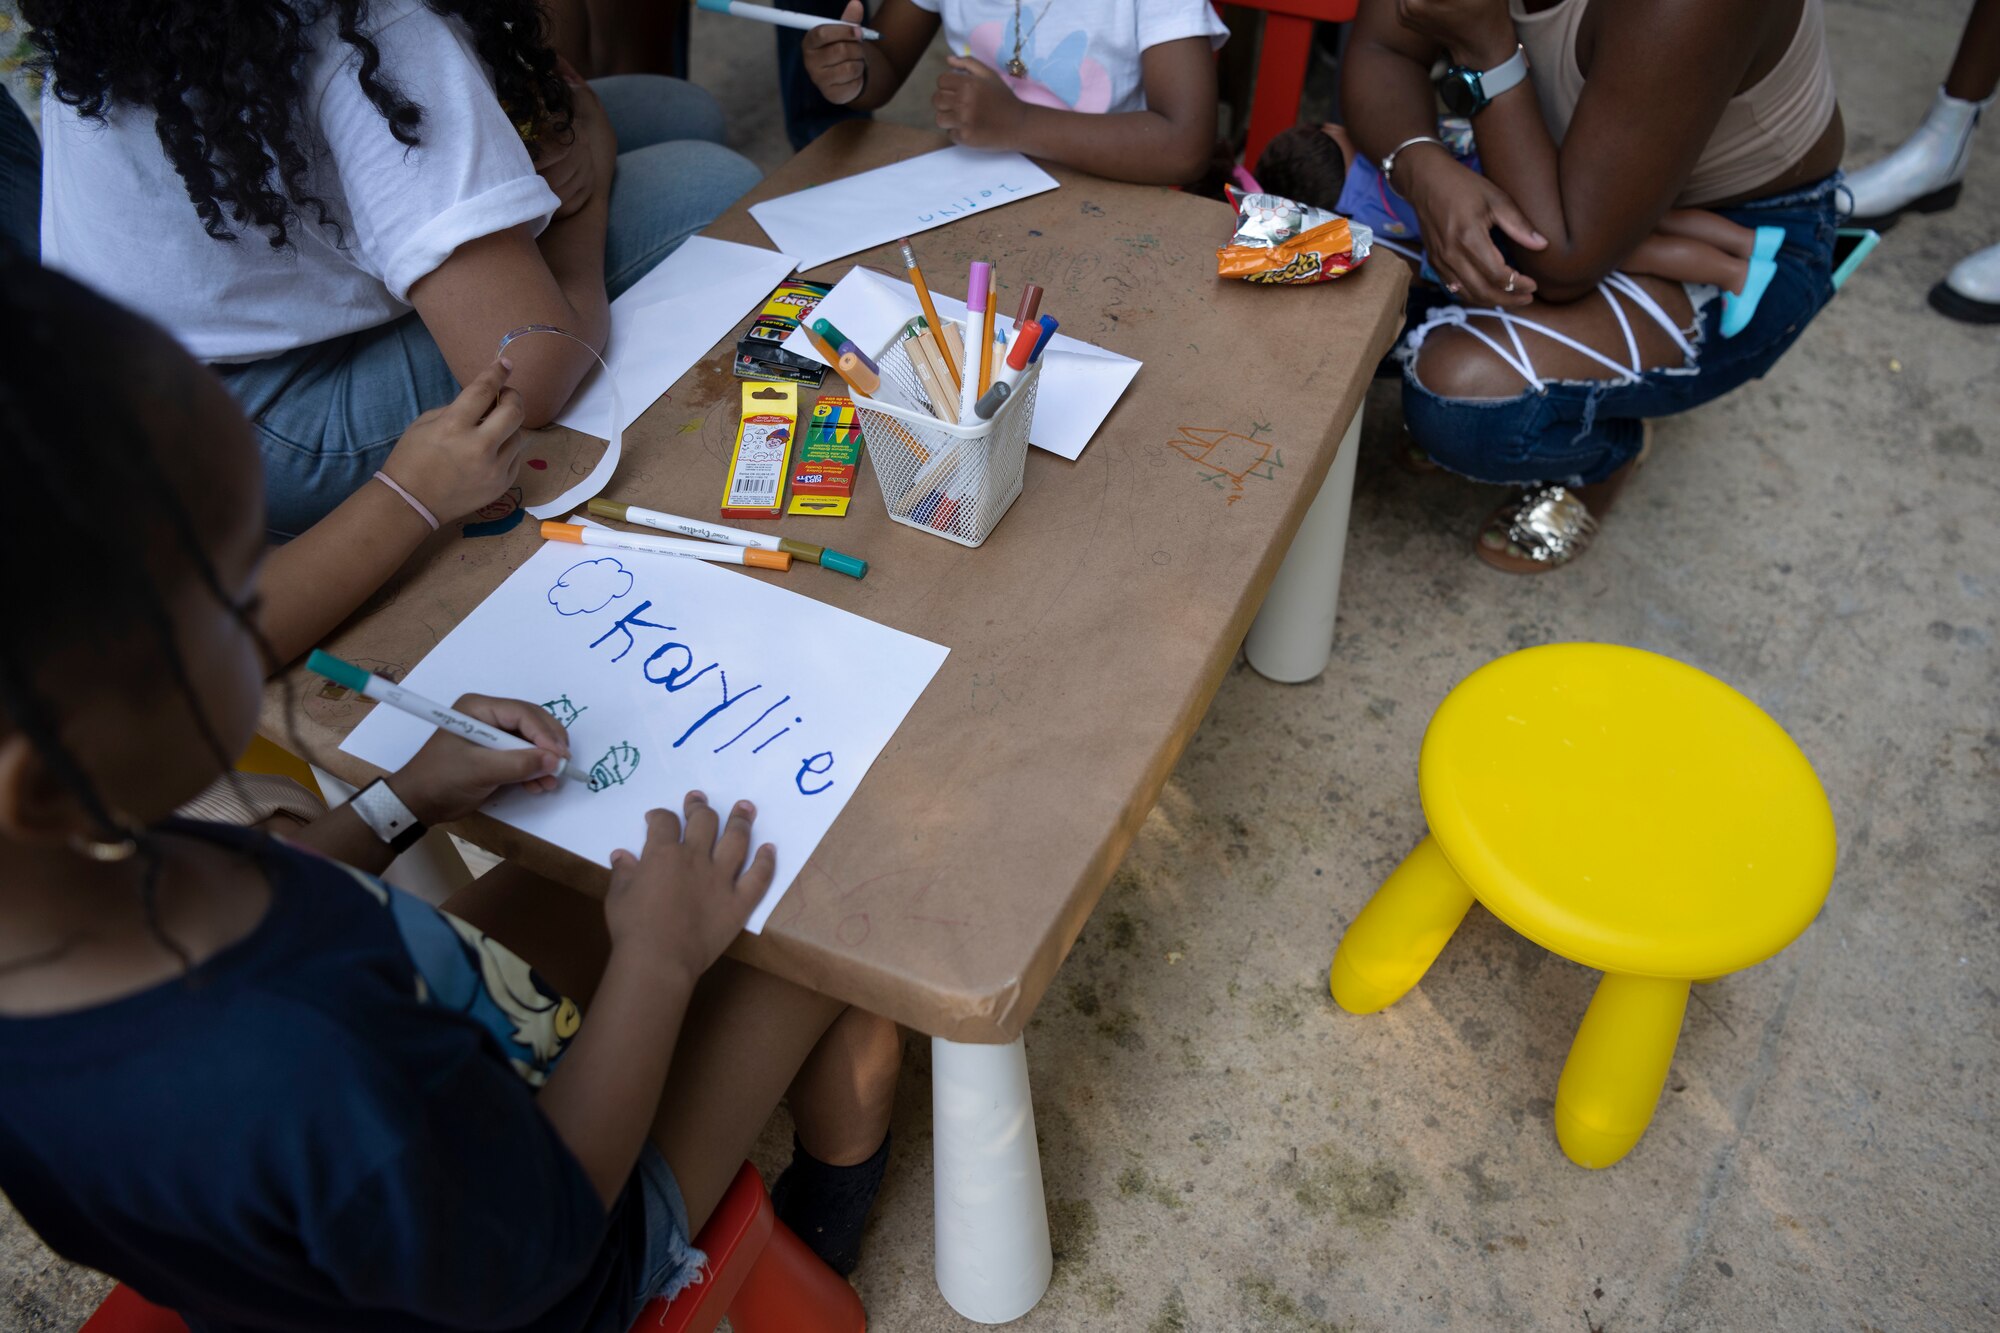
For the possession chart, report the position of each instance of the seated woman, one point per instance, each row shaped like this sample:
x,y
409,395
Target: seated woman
x,y
1544,371
281,185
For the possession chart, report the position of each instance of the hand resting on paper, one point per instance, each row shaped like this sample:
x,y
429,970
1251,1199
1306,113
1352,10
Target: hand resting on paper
x,y
451,777
688,892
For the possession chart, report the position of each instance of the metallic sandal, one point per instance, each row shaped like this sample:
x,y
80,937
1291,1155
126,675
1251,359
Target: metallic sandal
x,y
1543,528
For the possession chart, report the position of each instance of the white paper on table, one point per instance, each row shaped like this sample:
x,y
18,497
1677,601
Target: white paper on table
x,y
660,327
1080,382
674,674
862,211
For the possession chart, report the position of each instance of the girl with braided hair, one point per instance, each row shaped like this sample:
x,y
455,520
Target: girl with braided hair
x,y
230,1075
341,205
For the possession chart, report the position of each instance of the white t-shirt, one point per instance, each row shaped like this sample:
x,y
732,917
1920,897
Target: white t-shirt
x,y
116,216
1082,55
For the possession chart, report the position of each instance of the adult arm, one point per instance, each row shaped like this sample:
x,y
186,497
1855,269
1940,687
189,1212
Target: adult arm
x,y
1660,74
497,283
1168,143
865,75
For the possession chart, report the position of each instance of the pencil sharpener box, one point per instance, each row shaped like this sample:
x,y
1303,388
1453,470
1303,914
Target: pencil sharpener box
x,y
755,487
829,458
758,354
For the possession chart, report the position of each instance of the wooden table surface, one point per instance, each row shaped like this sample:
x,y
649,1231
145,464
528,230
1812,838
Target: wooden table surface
x,y
1087,635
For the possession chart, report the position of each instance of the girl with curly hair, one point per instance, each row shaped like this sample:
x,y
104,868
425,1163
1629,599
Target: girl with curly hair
x,y
280,182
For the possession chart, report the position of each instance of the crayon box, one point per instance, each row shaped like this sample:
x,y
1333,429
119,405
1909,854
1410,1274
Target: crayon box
x,y
828,458
758,354
755,487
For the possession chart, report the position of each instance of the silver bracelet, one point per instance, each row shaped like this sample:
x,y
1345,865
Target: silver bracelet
x,y
1389,159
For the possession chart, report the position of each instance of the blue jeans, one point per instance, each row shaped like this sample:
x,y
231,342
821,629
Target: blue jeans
x,y
328,415
1580,431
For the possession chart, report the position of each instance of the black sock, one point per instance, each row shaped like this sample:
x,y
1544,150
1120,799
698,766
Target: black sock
x,y
827,1206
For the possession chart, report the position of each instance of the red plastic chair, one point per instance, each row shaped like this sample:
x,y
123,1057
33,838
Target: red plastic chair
x,y
759,1274
1281,64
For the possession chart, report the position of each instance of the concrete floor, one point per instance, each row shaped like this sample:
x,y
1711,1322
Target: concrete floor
x,y
1226,1150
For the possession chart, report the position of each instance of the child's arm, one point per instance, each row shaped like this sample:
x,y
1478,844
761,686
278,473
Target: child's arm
x,y
453,459
671,911
1169,143
448,779
1680,258
865,75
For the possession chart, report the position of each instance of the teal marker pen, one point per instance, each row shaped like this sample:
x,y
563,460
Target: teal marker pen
x,y
445,719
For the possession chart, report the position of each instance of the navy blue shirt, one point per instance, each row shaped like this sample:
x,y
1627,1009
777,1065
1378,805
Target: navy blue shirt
x,y
329,1125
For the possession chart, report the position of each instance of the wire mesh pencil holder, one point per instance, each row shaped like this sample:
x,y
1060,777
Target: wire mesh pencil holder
x,y
952,481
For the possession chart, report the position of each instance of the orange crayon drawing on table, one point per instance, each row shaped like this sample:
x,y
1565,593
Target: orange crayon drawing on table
x,y
1228,459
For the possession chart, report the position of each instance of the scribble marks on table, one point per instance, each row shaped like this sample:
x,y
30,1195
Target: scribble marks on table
x,y
1226,460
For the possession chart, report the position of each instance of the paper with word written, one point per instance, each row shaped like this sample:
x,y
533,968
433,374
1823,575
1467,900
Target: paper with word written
x,y
674,674
661,326
1080,383
863,211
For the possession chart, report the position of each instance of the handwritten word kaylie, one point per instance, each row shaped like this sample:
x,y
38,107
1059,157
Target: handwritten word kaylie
x,y
669,663
971,203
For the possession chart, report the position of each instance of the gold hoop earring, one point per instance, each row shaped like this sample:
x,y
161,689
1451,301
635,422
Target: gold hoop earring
x,y
105,851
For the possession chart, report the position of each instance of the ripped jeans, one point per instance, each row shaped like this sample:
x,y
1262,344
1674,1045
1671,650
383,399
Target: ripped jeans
x,y
1580,431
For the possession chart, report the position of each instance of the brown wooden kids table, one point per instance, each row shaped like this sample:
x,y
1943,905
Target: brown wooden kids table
x,y
1087,636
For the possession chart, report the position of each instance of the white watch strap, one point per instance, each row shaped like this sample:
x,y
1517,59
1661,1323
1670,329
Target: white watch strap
x,y
1505,74
383,811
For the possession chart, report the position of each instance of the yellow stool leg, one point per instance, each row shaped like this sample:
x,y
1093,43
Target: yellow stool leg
x,y
1617,1066
1398,935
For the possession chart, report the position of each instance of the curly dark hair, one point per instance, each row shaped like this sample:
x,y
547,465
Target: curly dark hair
x,y
223,79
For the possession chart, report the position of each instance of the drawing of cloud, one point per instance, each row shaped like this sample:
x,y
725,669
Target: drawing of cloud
x,y
590,586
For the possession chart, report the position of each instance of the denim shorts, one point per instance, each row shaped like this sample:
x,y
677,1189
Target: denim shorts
x,y
327,415
1580,431
672,1262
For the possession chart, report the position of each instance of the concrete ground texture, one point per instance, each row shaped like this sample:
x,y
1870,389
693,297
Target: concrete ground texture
x,y
1225,1149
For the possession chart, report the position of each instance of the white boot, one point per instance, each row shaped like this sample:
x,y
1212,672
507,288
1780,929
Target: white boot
x,y
1972,290
1924,172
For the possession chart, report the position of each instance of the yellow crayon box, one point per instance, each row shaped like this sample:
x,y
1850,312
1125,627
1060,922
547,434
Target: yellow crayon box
x,y
756,484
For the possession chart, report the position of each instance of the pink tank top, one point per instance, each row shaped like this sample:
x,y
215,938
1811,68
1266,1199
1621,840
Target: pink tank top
x,y
1764,130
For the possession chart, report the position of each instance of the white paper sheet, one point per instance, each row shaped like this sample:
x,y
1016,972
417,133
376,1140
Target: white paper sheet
x,y
661,326
863,211
674,674
1080,384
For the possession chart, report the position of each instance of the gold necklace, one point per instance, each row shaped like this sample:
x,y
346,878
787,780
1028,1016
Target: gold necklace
x,y
1016,66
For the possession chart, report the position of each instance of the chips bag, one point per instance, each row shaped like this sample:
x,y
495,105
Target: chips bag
x,y
1278,240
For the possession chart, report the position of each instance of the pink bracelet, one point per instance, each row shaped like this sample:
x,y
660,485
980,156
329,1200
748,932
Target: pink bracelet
x,y
414,502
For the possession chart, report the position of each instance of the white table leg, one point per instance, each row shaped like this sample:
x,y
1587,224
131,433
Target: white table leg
x,y
1292,637
432,869
993,1256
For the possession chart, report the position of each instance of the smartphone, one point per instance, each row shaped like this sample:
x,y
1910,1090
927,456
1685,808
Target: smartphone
x,y
1850,246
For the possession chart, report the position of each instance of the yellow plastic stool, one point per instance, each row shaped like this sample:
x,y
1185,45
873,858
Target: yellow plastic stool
x,y
1620,809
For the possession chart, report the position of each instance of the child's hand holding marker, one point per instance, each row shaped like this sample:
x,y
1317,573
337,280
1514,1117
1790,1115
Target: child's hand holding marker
x,y
834,58
456,458
450,777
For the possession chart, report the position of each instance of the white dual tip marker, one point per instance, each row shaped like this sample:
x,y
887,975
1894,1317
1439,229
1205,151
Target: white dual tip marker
x,y
782,18
639,541
387,691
